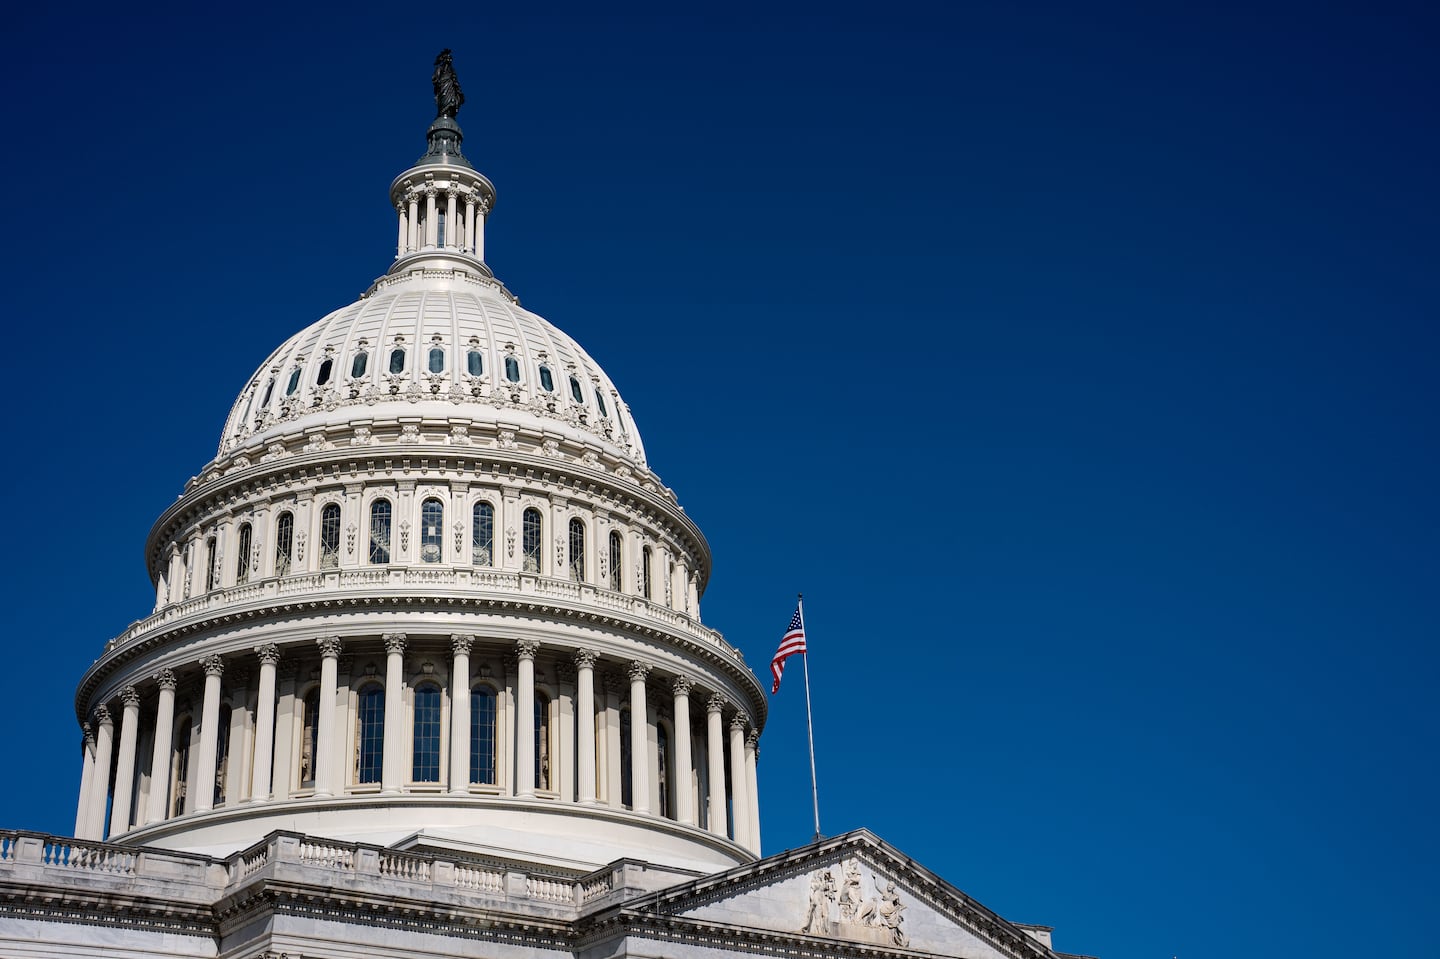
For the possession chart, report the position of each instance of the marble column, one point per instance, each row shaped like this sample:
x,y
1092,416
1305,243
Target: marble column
x,y
684,798
450,231
585,723
739,795
157,804
100,782
404,230
525,718
431,226
715,755
412,240
752,754
269,655
325,717
204,784
125,762
392,761
87,776
460,714
639,741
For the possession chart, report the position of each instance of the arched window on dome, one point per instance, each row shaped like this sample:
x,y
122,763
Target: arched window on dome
x,y
482,735
326,367
269,389
425,764
242,556
482,534
209,563
284,542
577,550
547,382
432,531
575,392
542,740
180,767
617,559
475,363
530,539
309,735
437,360
646,560
222,755
330,536
397,360
359,365
627,783
370,734
294,382
600,402
512,369
380,532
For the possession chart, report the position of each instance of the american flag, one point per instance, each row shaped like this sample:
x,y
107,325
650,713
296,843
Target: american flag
x,y
791,643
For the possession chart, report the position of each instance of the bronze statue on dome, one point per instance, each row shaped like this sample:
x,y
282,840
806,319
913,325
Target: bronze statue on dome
x,y
448,98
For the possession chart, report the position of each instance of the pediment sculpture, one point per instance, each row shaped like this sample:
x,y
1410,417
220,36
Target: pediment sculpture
x,y
842,910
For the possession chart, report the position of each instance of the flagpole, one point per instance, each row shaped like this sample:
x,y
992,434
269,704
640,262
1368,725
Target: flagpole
x,y
809,719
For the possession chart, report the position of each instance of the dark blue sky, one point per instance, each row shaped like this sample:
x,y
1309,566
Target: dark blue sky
x,y
1080,365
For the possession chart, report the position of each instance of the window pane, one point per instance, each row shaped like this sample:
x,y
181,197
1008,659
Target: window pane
x,y
575,392
482,736
380,532
330,536
309,729
474,363
645,573
616,560
542,741
432,525
294,383
546,382
627,786
209,564
323,376
397,361
531,540
482,535
600,402
662,773
370,731
180,768
242,558
269,388
426,765
577,550
357,368
512,369
284,541
222,754
437,360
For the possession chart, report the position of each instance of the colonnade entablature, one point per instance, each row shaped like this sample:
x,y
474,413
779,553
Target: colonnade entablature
x,y
401,713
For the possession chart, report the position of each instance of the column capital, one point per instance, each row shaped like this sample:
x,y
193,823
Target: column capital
x,y
737,722
268,653
394,642
585,658
88,732
130,696
213,665
682,685
102,717
329,647
752,739
716,704
526,649
461,643
638,671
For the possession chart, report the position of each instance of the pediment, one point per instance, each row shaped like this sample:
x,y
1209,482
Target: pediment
x,y
852,889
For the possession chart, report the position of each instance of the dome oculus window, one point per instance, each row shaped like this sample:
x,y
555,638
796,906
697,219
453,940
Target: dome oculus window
x,y
397,360
575,391
512,369
359,365
474,363
437,360
547,382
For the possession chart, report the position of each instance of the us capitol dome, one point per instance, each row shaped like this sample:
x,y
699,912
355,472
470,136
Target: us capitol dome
x,y
426,674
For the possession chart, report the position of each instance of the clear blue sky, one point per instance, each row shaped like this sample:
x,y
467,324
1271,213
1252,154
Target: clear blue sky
x,y
1080,365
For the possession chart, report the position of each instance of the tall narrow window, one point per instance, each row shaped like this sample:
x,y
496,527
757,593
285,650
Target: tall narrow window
x,y
425,767
512,369
432,531
180,768
662,769
222,754
627,784
575,391
577,550
542,740
323,376
294,383
309,731
482,735
439,227
209,563
617,557
474,363
482,535
397,360
284,542
600,402
531,540
370,735
437,360
330,536
242,557
380,532
547,382
359,365
269,389
645,559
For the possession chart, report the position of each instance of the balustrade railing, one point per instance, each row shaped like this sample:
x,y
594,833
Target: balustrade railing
x,y
7,846
327,854
88,856
403,866
479,879
549,890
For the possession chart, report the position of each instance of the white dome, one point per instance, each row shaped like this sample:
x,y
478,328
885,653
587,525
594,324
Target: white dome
x,y
428,346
